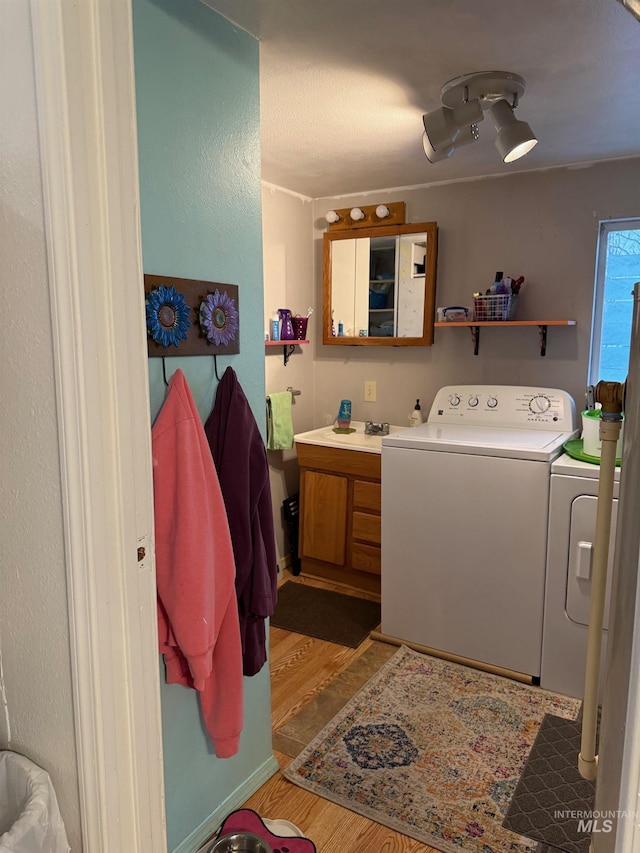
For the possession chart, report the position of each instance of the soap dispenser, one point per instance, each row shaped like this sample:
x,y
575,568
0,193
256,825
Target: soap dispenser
x,y
415,417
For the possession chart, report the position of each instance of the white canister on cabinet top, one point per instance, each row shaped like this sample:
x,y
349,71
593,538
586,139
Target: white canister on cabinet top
x,y
591,441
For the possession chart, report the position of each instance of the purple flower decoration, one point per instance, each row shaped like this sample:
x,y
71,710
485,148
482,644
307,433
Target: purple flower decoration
x,y
219,318
167,316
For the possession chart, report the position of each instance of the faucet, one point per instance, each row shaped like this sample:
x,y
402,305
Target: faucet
x,y
376,429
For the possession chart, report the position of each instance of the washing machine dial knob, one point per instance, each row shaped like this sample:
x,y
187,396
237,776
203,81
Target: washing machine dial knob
x,y
454,400
492,402
539,404
473,401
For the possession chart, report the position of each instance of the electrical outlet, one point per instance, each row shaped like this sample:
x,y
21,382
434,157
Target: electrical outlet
x,y
370,391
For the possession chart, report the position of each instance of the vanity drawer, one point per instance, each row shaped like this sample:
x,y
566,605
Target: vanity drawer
x,y
366,558
367,527
367,495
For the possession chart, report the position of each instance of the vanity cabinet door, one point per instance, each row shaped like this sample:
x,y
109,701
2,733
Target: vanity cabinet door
x,y
324,516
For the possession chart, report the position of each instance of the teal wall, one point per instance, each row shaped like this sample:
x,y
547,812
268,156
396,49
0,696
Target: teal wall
x,y
197,91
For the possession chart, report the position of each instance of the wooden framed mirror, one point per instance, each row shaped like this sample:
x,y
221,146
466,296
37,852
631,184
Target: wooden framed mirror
x,y
379,285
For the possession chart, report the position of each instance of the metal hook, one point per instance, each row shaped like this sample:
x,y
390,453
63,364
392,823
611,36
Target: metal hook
x,y
164,372
215,366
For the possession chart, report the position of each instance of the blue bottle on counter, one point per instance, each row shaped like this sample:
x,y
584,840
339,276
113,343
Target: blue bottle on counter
x,y
275,329
344,415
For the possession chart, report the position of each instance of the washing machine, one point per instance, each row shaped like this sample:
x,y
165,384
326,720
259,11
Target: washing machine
x,y
465,504
572,523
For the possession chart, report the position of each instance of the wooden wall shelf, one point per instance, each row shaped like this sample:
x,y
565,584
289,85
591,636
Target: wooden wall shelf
x,y
288,347
475,328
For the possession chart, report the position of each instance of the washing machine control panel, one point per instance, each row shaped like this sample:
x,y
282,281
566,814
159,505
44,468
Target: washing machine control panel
x,y
505,406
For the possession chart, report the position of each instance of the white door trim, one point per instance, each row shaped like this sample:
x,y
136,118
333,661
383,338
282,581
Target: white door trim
x,y
83,55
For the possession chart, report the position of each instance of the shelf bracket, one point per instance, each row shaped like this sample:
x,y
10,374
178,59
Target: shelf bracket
x,y
288,350
542,331
475,337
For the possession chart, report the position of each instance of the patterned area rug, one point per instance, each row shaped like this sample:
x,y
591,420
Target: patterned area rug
x,y
433,750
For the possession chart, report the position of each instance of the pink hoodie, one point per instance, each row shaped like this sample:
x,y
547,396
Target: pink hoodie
x,y
198,626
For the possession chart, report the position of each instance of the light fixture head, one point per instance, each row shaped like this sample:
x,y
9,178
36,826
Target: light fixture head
x,y
356,214
444,125
515,138
430,152
382,211
469,134
331,216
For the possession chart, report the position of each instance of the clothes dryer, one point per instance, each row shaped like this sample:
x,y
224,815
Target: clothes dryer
x,y
573,504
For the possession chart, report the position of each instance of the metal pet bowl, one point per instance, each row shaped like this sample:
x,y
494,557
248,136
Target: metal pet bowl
x,y
239,842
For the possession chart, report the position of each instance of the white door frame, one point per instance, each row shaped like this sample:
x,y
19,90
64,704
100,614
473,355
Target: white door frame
x,y
83,55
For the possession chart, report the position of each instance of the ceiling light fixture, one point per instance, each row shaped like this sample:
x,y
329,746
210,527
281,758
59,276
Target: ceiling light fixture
x,y
464,101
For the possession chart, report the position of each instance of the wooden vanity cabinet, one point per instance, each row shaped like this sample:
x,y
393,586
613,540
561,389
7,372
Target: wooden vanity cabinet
x,y
340,505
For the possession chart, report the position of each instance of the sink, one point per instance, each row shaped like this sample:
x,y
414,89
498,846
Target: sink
x,y
358,440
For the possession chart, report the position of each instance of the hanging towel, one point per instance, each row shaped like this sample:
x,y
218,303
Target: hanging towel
x,y
241,462
279,423
198,619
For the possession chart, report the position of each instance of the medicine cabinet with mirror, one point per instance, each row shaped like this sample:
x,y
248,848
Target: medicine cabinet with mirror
x,y
379,285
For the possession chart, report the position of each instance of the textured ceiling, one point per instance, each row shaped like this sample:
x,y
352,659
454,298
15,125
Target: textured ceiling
x,y
344,85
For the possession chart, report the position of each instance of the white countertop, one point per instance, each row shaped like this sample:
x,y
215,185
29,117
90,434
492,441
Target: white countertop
x,y
326,437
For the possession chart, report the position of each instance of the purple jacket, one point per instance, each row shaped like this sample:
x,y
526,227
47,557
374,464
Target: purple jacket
x,y
241,462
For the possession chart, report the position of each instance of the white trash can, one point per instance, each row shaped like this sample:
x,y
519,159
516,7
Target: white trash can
x,y
30,820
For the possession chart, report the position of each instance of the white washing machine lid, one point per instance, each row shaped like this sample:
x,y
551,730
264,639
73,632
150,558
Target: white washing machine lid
x,y
570,467
534,444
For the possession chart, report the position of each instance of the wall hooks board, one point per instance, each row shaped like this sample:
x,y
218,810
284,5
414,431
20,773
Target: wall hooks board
x,y
191,317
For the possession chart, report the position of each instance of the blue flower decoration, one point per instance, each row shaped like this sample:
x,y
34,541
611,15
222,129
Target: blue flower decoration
x,y
167,316
219,318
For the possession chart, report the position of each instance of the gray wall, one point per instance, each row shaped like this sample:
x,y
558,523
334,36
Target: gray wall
x,y
543,225
287,234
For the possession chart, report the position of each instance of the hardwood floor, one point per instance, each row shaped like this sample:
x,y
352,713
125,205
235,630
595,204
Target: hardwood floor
x,y
301,667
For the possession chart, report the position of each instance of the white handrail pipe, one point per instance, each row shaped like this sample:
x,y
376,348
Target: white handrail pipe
x,y
610,424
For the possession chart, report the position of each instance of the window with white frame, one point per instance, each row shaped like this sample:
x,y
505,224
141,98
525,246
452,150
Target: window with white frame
x,y
617,270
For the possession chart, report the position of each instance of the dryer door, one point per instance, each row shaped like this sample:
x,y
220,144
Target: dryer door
x,y
580,564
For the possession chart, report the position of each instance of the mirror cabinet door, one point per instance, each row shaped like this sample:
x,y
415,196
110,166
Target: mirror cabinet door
x,y
379,286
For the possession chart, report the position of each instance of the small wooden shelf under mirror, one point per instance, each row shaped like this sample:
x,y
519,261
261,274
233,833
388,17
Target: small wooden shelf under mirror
x,y
475,328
